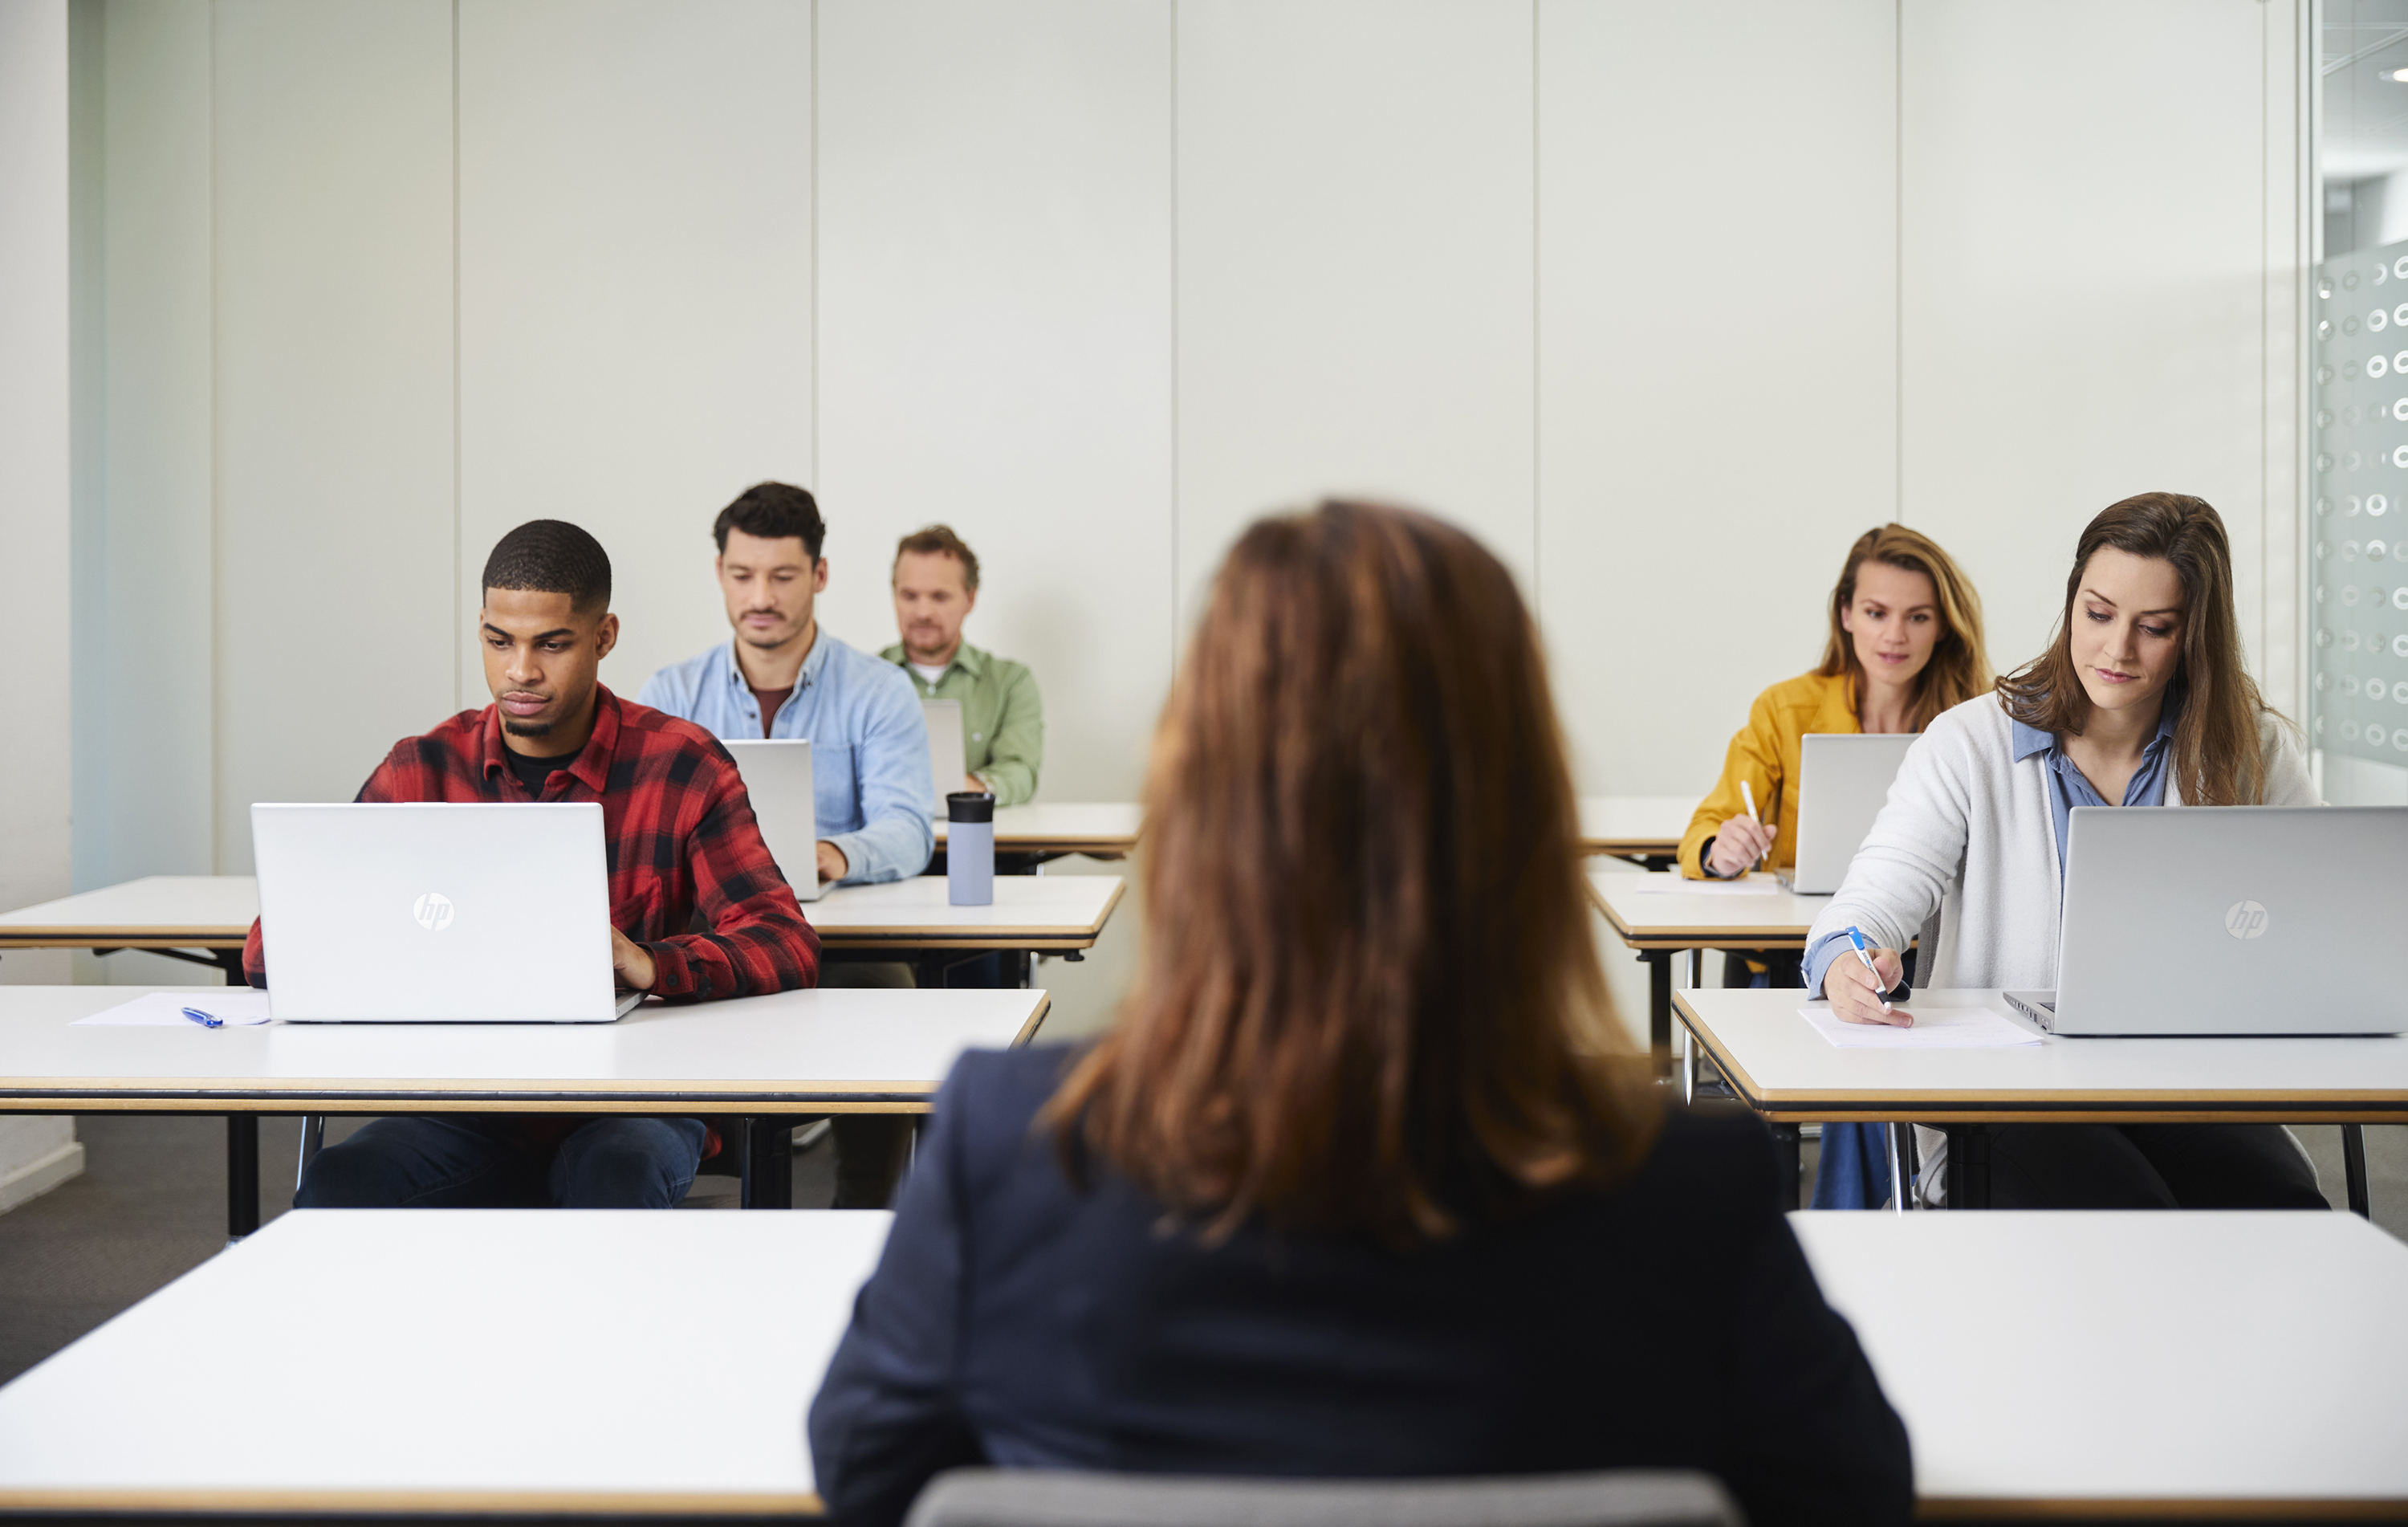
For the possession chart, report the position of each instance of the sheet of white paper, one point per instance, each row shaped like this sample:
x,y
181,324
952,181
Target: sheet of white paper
x,y
1934,1028
238,1006
1678,886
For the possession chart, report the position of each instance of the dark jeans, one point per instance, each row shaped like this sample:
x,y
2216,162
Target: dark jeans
x,y
2149,1166
871,1150
487,1162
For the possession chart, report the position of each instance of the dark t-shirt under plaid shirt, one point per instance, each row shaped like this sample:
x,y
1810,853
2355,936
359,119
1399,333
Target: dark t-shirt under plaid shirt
x,y
678,830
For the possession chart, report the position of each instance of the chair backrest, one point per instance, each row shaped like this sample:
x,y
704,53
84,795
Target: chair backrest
x,y
1047,1498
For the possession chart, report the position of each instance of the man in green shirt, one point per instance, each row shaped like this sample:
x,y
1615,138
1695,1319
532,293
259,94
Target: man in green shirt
x,y
1003,721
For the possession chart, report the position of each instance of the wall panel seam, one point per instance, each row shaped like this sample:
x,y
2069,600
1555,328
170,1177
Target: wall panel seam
x,y
217,516
459,688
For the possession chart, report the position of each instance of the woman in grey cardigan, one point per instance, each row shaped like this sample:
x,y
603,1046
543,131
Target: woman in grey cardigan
x,y
2142,700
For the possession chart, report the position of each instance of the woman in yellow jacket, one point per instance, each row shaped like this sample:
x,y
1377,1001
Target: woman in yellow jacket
x,y
1905,644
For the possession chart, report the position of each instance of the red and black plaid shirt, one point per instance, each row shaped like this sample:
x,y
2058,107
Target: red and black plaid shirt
x,y
679,829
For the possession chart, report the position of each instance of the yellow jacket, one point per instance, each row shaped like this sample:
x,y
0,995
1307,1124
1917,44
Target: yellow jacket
x,y
1765,753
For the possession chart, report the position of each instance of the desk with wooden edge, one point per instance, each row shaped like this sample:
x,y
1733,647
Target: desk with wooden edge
x,y
1644,830
1046,829
765,1058
1778,1065
255,1385
2101,1364
1659,924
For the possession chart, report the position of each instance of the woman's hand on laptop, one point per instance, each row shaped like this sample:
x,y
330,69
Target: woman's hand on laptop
x,y
1854,995
632,961
1738,845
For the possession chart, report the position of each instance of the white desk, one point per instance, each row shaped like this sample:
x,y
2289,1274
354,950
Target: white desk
x,y
1779,1066
1048,912
795,1052
1659,924
1637,827
1099,829
2099,1364
2125,1363
446,1362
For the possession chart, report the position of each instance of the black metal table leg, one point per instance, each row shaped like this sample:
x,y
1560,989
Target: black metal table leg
x,y
1659,999
767,1178
1786,1160
242,1175
230,961
2353,1167
1968,1166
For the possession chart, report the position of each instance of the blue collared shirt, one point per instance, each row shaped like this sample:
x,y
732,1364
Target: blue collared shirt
x,y
2068,788
870,745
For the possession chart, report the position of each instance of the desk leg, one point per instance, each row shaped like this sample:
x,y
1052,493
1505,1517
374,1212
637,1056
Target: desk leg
x,y
1968,1166
767,1178
230,961
1785,1161
1660,1000
242,1175
1897,1167
2353,1167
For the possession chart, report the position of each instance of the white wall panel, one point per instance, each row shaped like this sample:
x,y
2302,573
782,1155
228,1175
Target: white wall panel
x,y
333,395
1356,265
2084,280
634,290
1717,358
995,340
150,630
36,472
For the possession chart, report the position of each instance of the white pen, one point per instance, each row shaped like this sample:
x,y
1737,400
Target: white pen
x,y
1747,794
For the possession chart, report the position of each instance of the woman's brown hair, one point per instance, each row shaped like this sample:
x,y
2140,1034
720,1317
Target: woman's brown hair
x,y
1960,668
2219,758
1370,1001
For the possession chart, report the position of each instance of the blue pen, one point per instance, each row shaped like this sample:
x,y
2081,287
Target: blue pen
x,y
1853,937
204,1019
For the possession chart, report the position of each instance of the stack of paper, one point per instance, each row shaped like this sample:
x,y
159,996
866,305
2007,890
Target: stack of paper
x,y
1676,886
1934,1028
235,1007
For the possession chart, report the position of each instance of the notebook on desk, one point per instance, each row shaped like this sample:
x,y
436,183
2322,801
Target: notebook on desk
x,y
436,913
778,777
2230,920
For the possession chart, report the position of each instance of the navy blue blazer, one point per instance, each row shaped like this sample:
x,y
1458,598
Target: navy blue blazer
x,y
1671,1322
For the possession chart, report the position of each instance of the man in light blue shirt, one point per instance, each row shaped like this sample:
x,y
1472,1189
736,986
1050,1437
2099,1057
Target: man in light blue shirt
x,y
782,676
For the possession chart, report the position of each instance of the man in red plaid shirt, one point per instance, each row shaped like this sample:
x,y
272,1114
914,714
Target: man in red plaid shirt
x,y
681,839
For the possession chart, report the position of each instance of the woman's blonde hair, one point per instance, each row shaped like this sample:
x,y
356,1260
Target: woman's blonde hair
x,y
2219,758
1371,999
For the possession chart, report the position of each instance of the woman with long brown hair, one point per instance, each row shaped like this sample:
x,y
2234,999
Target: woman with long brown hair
x,y
1905,643
2141,700
1368,1177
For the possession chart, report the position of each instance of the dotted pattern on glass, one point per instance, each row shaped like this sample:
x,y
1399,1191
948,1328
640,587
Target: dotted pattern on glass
x,y
2357,693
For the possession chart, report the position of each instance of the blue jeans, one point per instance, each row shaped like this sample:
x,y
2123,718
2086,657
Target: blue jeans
x,y
488,1161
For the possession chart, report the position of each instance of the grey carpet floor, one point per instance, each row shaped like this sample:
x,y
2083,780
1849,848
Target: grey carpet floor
x,y
151,1206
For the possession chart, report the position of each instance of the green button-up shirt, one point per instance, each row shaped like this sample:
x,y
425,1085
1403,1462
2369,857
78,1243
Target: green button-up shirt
x,y
1003,720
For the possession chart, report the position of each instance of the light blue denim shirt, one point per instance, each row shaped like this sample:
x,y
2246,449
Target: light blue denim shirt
x,y
2068,788
870,745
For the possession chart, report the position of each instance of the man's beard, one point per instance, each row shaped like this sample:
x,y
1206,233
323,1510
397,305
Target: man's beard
x,y
526,728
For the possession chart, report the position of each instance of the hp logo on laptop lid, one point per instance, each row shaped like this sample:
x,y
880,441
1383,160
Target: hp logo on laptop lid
x,y
2245,920
433,912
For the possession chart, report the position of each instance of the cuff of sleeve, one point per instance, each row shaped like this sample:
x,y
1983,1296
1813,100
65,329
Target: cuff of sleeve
x,y
1818,962
1706,860
858,861
672,972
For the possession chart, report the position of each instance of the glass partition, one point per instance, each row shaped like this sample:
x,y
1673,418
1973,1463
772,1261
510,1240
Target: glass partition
x,y
2357,576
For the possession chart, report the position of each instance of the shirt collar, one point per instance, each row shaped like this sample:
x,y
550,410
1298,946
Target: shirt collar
x,y
590,766
2032,739
813,664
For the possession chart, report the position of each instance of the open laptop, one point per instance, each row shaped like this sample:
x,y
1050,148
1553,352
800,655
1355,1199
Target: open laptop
x,y
436,913
1842,778
2230,920
777,776
947,755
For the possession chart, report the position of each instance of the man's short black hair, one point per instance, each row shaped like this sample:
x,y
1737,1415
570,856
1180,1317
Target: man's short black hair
x,y
552,556
773,512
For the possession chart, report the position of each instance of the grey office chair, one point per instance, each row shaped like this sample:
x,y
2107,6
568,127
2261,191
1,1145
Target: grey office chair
x,y
1046,1498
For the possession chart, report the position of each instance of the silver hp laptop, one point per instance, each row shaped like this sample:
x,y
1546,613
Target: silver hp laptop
x,y
777,776
2230,920
948,753
1842,780
436,913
